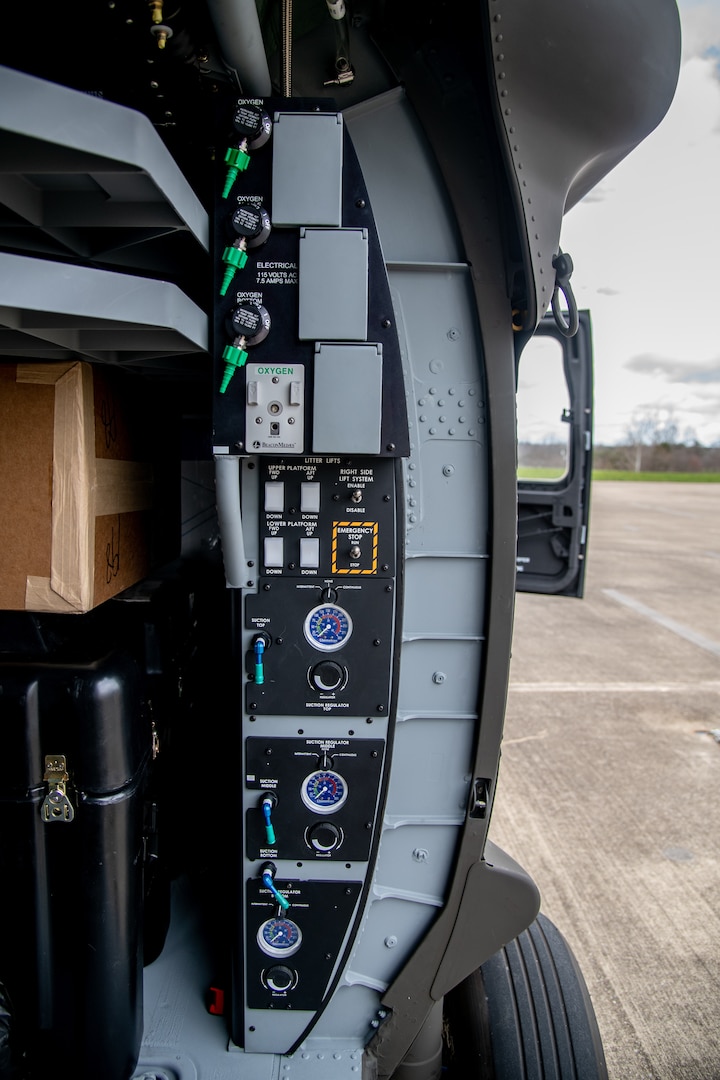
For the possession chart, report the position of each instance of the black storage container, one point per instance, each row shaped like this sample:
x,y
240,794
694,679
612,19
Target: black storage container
x,y
75,747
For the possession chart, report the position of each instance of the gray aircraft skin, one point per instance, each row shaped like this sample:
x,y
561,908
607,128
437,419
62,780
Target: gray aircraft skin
x,y
244,802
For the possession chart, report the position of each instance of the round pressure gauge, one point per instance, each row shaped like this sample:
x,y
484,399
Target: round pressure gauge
x,y
279,937
324,791
328,627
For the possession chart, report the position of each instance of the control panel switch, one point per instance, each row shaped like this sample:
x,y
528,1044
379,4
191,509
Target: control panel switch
x,y
310,497
273,551
274,494
309,553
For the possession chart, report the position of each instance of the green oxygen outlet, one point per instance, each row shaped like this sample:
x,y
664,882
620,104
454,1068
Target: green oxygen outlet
x,y
234,258
237,159
234,357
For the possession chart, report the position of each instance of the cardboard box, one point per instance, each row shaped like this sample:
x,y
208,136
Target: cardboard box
x,y
76,489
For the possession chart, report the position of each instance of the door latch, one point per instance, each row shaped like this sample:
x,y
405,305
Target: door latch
x,y
56,804
479,798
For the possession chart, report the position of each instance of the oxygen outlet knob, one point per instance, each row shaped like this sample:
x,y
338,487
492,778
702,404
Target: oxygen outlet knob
x,y
251,322
252,224
252,123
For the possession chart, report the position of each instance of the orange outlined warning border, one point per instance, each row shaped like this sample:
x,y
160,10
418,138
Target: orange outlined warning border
x,y
355,532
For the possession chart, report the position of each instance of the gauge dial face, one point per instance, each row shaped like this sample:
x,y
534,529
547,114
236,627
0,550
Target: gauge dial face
x,y
279,937
328,627
324,791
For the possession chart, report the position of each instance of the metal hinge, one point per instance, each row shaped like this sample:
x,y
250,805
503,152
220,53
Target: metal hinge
x,y
56,804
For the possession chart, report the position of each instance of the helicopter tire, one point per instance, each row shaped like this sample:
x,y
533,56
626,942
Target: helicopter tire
x,y
525,1014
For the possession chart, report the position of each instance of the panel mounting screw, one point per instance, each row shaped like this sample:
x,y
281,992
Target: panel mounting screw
x,y
439,677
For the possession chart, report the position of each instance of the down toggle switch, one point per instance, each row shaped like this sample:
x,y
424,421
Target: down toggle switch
x,y
328,676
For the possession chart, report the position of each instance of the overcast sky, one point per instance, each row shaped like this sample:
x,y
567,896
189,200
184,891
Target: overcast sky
x,y
646,250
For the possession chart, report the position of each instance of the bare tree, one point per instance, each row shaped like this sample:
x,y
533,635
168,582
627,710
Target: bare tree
x,y
654,426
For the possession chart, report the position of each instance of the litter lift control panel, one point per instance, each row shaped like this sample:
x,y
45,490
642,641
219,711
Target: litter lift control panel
x,y
309,426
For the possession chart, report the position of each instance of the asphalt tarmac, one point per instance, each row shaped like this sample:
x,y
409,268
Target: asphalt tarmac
x,y
609,787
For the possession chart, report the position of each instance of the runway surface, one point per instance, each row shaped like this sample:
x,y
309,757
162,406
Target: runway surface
x,y
609,787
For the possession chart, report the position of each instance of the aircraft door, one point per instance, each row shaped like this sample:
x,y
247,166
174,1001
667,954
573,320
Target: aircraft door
x,y
554,409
